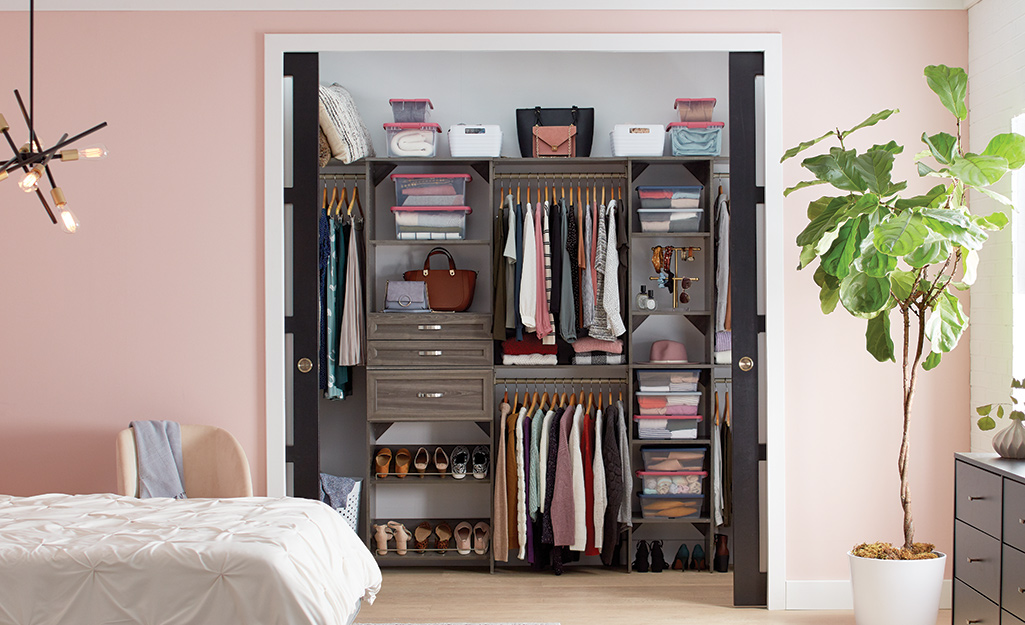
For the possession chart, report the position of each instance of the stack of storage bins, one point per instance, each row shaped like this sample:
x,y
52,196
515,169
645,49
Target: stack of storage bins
x,y
411,134
672,482
696,134
430,206
667,405
670,208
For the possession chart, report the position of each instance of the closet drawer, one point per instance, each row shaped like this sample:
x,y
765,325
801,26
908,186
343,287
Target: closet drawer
x,y
1013,598
430,395
1014,514
977,560
971,607
430,326
429,353
978,498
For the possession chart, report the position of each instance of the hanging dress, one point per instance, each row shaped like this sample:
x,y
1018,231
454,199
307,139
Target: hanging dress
x,y
718,507
500,531
614,485
528,275
350,346
337,376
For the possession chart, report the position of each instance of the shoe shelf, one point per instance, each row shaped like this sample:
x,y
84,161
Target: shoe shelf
x,y
428,478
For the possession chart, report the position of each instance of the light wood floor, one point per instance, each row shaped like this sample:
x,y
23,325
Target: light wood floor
x,y
582,596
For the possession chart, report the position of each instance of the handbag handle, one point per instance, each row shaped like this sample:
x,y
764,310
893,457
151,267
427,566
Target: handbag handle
x,y
440,250
537,115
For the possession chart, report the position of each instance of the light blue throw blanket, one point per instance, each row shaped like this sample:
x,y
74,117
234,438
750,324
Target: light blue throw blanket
x,y
158,446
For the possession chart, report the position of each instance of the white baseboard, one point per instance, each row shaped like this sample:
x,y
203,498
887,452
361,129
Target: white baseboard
x,y
836,595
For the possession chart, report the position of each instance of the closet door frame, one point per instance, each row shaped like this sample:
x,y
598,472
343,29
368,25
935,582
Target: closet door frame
x,y
769,44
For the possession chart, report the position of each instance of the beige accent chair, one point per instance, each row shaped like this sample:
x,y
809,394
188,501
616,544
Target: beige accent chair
x,y
215,464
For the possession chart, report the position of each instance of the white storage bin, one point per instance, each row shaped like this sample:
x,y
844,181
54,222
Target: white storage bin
x,y
670,219
430,189
430,223
695,109
696,138
409,111
475,140
638,139
412,139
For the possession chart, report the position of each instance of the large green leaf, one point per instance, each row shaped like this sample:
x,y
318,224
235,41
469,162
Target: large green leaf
x,y
873,262
900,234
808,255
942,146
934,250
946,323
863,294
999,197
877,337
901,283
1010,146
815,207
837,260
986,424
953,216
829,295
932,361
875,167
971,236
828,219
995,221
836,168
971,268
951,85
978,170
863,206
804,145
873,120
802,185
932,198
890,147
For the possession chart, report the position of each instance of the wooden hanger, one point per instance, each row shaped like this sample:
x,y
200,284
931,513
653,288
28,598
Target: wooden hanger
x,y
573,399
325,204
517,193
603,195
355,200
516,400
343,201
599,399
505,398
544,401
533,404
726,411
562,400
590,401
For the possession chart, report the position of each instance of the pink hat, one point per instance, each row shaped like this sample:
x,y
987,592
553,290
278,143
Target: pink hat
x,y
668,351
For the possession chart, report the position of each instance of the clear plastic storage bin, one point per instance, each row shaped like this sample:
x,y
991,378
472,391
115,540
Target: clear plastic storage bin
x,y
670,196
680,404
412,139
670,219
673,458
667,427
696,138
671,506
480,140
638,139
430,223
695,109
667,381
407,111
672,482
430,189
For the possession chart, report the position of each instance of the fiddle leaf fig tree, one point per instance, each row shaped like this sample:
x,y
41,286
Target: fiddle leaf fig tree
x,y
885,255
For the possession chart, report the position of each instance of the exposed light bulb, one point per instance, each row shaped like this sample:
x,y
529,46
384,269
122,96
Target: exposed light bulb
x,y
65,218
28,183
93,153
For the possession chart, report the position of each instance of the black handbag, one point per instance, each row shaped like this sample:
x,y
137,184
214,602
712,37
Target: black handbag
x,y
583,119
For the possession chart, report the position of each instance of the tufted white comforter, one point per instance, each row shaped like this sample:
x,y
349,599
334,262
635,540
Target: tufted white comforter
x,y
109,559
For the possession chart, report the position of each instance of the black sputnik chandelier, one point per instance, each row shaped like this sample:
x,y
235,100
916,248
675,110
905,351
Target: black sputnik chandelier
x,y
33,159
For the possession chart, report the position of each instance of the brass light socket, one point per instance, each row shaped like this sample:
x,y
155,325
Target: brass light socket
x,y
69,155
3,175
3,124
58,196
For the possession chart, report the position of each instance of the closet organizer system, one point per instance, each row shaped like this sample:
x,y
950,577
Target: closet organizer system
x,y
458,366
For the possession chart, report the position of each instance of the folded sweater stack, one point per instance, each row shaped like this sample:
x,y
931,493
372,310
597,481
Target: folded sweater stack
x,y
679,428
529,351
667,381
673,405
592,351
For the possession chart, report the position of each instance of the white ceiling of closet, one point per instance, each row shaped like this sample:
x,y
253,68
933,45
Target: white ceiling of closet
x,y
412,5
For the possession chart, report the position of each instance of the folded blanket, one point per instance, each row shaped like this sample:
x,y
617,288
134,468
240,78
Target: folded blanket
x,y
540,360
651,402
412,143
529,345
432,219
655,195
431,189
598,358
340,120
676,411
421,235
158,447
588,344
685,202
433,200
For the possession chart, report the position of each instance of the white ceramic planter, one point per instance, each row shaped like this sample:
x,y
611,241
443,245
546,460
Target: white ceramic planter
x,y
896,592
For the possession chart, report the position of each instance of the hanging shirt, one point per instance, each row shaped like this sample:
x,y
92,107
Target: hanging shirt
x,y
510,479
599,491
614,490
518,271
587,453
542,461
498,273
521,487
611,299
587,286
500,517
528,277
542,316
718,504
351,336
599,327
722,262
626,477
579,492
570,277
552,459
534,483
509,253
337,376
563,514
556,230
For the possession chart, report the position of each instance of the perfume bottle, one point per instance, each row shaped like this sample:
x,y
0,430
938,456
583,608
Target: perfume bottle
x,y
642,299
651,304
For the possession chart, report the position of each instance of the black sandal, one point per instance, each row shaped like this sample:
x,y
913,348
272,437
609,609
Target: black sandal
x,y
658,561
641,563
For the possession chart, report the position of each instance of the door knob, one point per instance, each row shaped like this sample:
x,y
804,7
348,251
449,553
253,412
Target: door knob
x,y
746,364
305,365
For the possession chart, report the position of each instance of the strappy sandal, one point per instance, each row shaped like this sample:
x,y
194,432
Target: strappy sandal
x,y
444,532
441,461
481,455
382,534
481,537
420,461
383,462
463,534
401,535
460,458
421,535
658,560
402,460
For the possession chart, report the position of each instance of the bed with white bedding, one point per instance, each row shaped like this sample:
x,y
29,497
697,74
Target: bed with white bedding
x,y
111,559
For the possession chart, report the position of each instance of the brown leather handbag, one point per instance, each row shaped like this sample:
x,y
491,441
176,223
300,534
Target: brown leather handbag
x,y
554,141
448,289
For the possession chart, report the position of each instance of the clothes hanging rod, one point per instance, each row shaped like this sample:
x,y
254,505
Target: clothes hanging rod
x,y
342,176
558,381
557,176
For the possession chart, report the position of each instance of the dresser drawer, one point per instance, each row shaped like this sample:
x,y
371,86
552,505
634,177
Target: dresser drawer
x,y
1008,619
1013,597
1014,514
430,353
430,326
430,395
971,607
978,498
977,560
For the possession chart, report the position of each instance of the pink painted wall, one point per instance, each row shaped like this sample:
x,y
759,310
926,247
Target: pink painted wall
x,y
154,310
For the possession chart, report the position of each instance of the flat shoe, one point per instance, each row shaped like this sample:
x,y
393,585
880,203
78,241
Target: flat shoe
x,y
480,462
402,460
401,535
463,533
383,462
440,461
420,536
481,536
444,532
460,458
421,460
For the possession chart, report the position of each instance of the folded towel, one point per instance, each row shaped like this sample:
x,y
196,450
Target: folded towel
x,y
588,344
598,358
675,411
158,447
651,402
529,345
647,194
431,189
540,360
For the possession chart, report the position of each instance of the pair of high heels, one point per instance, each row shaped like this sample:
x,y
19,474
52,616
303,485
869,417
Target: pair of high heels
x,y
383,462
693,559
392,530
480,534
650,557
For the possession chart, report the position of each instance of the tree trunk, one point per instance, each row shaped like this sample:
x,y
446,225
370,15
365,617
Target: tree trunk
x,y
910,378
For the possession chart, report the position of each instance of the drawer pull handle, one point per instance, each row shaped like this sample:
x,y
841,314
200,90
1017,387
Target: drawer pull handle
x,y
971,560
972,621
433,352
971,498
1021,590
428,327
430,395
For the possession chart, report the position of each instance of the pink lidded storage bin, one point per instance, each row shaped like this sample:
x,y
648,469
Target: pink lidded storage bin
x,y
430,223
673,458
406,111
667,427
430,189
695,109
672,482
412,139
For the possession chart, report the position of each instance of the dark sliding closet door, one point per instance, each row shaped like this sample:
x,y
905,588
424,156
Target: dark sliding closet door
x,y
749,584
302,326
